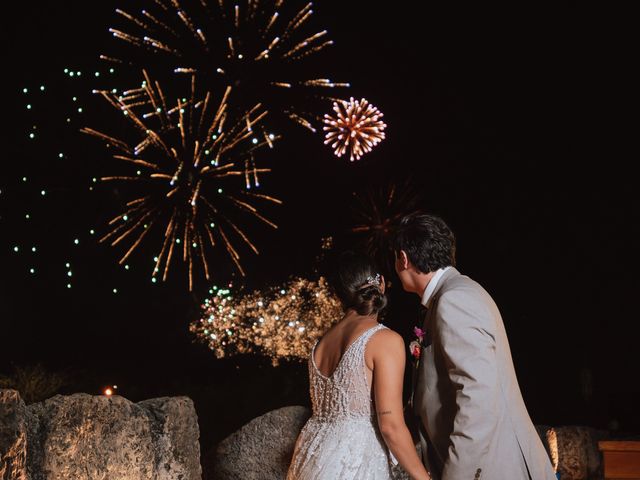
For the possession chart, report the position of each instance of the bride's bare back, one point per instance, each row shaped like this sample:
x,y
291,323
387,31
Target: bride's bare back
x,y
335,343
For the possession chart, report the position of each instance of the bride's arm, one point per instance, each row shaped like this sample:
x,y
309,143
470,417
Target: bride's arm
x,y
386,351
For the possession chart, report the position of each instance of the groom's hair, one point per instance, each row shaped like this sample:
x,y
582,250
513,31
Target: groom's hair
x,y
427,240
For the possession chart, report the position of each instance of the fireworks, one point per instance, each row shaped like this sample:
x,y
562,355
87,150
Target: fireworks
x,y
376,214
256,46
183,158
356,128
281,323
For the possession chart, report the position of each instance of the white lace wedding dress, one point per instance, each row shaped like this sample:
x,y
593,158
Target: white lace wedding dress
x,y
341,440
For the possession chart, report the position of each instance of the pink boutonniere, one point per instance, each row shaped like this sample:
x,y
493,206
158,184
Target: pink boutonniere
x,y
415,347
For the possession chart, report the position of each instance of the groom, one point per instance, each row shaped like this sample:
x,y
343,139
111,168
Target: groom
x,y
472,416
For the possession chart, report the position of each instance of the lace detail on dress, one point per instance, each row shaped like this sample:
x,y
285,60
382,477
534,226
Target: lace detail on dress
x,y
341,439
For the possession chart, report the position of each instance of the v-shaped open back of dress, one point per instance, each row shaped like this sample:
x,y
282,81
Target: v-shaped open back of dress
x,y
341,440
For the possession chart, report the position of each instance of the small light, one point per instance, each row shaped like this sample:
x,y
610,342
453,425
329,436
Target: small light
x,y
42,88
155,259
153,280
126,267
28,106
138,172
43,193
33,249
32,135
32,270
66,70
69,274
27,216
67,265
240,56
24,179
68,285
92,231
80,110
115,290
255,140
219,190
61,155
71,74
271,136
76,241
97,74
94,179
25,90
177,240
125,218
194,244
212,224
16,249
108,392
282,292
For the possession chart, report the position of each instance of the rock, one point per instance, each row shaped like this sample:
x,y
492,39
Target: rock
x,y
575,451
262,449
578,454
13,436
175,433
85,437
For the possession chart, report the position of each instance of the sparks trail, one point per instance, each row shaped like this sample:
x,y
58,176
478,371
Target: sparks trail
x,y
181,167
261,47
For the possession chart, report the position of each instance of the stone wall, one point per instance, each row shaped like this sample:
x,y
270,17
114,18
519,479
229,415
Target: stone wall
x,y
86,437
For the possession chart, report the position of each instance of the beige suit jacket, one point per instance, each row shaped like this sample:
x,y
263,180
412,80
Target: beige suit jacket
x,y
466,394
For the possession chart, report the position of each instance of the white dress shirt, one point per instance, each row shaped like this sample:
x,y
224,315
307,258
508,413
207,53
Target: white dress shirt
x,y
431,286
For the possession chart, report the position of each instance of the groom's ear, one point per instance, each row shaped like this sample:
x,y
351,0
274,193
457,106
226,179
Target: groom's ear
x,y
402,259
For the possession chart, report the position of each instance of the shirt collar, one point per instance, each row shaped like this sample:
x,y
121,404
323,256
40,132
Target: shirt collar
x,y
431,286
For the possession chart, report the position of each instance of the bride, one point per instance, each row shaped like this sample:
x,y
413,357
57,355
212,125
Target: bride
x,y
356,373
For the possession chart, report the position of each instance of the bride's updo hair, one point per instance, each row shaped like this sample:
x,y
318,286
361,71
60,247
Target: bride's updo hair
x,y
352,287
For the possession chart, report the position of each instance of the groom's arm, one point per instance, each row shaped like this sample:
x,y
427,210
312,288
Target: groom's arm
x,y
466,333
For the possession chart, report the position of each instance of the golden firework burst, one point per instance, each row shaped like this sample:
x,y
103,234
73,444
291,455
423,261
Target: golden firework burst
x,y
356,127
180,163
259,46
281,322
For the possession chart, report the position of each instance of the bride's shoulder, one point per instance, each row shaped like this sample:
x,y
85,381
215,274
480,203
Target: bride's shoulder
x,y
384,346
386,338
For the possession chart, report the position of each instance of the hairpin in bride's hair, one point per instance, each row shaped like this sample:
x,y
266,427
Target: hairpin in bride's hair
x,y
373,280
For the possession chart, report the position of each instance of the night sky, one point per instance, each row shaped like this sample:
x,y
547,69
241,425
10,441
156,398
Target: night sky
x,y
511,121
